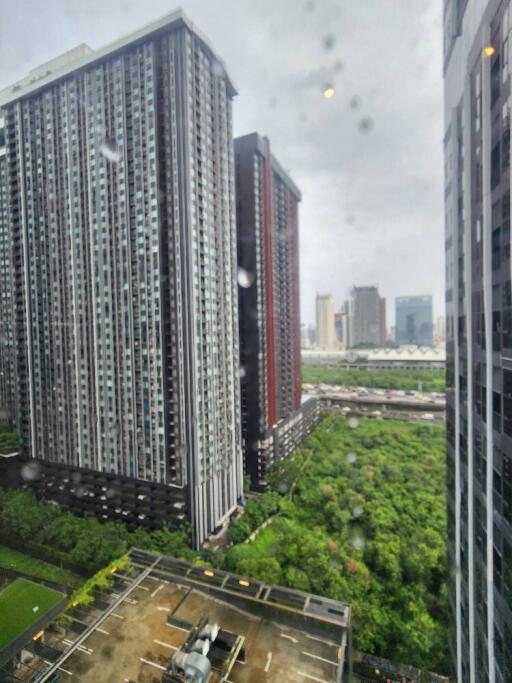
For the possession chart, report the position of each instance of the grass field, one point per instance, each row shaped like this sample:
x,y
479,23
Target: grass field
x,y
18,603
11,559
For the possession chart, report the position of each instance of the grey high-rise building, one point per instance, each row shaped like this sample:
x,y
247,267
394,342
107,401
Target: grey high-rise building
x,y
413,320
8,413
121,225
368,318
479,336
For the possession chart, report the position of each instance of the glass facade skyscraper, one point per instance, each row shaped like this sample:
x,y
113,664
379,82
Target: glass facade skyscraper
x,y
413,320
479,335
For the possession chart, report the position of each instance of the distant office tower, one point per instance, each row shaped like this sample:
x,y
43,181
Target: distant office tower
x,y
440,330
7,358
120,191
413,318
479,336
383,322
268,261
338,327
325,330
367,318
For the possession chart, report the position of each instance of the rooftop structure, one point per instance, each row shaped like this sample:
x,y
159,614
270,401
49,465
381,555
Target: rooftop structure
x,y
250,631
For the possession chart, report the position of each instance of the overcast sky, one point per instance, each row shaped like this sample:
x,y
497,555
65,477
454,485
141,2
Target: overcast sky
x,y
368,161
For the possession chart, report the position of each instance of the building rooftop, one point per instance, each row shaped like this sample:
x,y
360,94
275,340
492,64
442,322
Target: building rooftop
x,y
83,56
133,630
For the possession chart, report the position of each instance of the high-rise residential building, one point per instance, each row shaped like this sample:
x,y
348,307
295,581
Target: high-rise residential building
x,y
7,357
413,319
325,329
479,336
120,189
368,318
268,262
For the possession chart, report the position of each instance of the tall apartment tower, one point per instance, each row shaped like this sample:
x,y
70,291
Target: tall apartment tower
x,y
369,319
120,190
479,335
414,321
8,412
268,261
325,322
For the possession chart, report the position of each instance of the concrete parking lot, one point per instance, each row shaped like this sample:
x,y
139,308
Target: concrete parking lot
x,y
136,643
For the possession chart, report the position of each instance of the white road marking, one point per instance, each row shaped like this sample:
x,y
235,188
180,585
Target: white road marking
x,y
146,661
269,659
311,678
130,601
101,630
156,590
144,588
294,640
117,616
80,648
164,609
322,640
186,630
171,647
322,659
65,671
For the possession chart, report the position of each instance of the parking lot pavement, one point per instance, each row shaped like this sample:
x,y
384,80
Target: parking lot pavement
x,y
136,643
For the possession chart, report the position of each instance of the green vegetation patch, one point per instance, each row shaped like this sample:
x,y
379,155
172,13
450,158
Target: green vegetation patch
x,y
11,559
398,379
9,441
363,520
21,604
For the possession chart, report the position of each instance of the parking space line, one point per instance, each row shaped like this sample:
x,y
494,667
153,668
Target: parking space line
x,y
156,590
163,609
311,678
178,627
284,635
322,659
144,588
322,640
117,616
65,671
171,647
267,665
157,666
102,630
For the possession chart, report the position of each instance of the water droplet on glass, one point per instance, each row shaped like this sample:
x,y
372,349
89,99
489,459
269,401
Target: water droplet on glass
x,y
357,538
351,220
328,92
351,458
337,66
354,102
357,511
272,101
329,41
81,491
310,6
110,151
365,124
245,278
31,471
217,69
353,422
